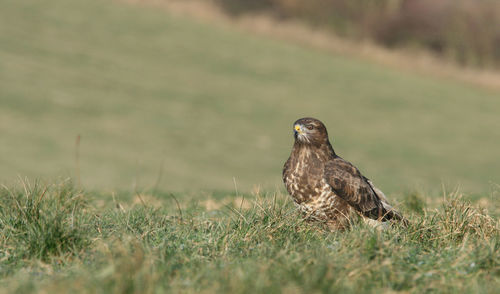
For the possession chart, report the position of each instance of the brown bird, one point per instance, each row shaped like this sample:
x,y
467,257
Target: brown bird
x,y
325,187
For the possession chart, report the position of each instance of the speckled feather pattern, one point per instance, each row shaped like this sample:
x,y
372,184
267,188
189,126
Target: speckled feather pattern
x,y
303,178
325,187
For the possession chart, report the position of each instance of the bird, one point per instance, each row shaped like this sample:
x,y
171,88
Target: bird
x,y
328,189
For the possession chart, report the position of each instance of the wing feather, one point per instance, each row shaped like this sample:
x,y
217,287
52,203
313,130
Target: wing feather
x,y
349,184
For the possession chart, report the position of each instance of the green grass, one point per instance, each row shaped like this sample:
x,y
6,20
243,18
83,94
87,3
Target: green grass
x,y
148,91
57,239
179,120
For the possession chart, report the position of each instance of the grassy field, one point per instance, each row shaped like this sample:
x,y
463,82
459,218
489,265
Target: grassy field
x,y
55,239
148,91
184,128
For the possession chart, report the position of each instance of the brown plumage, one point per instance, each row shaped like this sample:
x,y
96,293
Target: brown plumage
x,y
327,188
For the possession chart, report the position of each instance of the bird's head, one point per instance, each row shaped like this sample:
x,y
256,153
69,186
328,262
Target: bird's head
x,y
309,130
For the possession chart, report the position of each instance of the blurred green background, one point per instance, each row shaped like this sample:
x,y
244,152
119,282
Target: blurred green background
x,y
465,31
161,98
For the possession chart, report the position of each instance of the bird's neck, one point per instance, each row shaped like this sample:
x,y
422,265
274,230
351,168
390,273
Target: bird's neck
x,y
324,148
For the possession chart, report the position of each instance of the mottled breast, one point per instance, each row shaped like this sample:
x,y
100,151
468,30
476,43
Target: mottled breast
x,y
303,176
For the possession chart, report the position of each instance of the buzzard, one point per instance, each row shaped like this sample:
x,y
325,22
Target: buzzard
x,y
325,187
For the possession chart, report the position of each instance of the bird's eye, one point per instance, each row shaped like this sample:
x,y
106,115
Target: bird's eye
x,y
309,127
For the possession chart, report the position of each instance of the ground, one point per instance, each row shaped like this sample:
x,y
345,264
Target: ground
x,y
56,238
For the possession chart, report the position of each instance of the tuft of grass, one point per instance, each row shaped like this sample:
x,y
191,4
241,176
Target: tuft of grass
x,y
41,222
462,220
125,246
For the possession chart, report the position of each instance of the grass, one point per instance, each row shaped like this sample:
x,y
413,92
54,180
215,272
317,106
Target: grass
x,y
149,91
56,238
174,113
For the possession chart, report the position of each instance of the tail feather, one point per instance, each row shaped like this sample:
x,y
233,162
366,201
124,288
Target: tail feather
x,y
386,212
391,214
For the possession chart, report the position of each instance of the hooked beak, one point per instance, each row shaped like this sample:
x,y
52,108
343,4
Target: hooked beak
x,y
297,131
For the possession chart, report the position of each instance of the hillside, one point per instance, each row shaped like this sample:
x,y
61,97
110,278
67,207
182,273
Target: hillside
x,y
157,96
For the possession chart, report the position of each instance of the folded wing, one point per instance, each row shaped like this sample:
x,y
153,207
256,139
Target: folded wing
x,y
349,184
